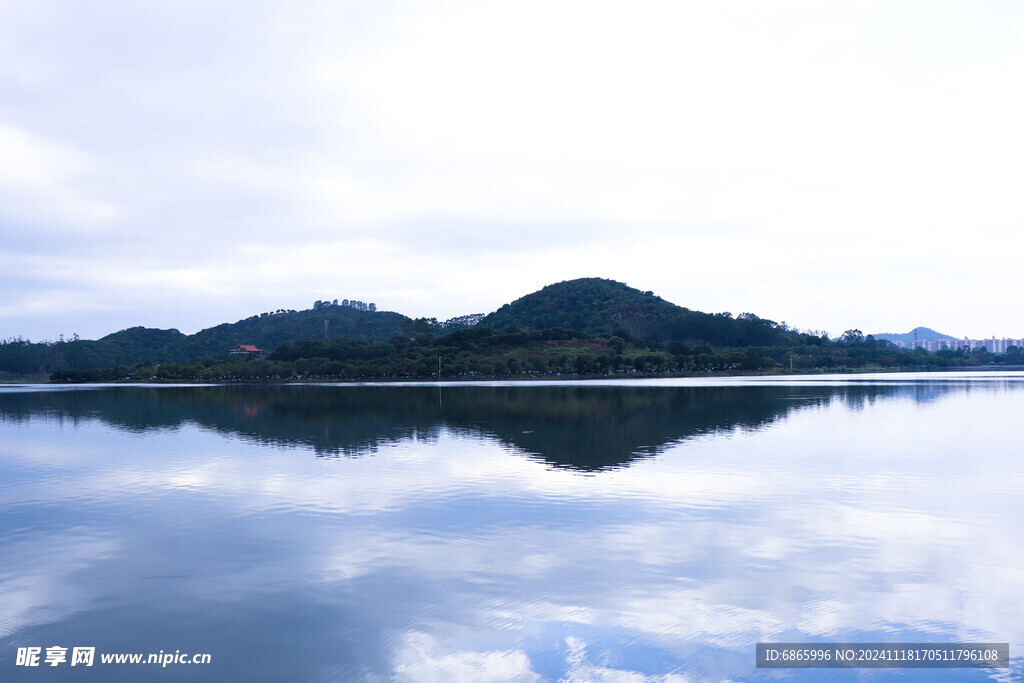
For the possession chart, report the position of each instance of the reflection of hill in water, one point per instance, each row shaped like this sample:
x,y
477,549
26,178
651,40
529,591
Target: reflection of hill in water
x,y
582,427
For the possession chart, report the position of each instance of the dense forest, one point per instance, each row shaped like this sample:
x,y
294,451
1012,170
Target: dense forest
x,y
595,306
481,352
586,327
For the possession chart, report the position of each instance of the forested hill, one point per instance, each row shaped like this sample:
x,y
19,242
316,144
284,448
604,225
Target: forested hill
x,y
598,306
588,308
590,305
270,330
584,325
140,344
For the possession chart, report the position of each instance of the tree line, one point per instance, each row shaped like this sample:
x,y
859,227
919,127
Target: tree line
x,y
482,352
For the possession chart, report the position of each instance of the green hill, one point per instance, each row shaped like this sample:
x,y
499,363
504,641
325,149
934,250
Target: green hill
x,y
140,344
588,308
598,306
266,331
271,330
589,305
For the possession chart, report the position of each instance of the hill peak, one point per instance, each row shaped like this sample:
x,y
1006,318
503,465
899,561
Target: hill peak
x,y
920,333
591,305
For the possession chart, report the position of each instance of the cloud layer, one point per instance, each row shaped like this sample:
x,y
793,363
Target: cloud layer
x,y
830,165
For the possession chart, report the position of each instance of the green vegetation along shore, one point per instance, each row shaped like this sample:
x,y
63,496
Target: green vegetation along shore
x,y
483,353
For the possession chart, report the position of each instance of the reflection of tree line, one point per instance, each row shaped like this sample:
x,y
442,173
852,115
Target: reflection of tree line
x,y
924,391
582,427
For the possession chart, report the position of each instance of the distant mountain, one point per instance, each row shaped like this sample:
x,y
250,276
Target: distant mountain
x,y
923,333
598,306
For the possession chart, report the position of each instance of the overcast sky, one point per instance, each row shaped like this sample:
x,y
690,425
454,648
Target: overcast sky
x,y
827,164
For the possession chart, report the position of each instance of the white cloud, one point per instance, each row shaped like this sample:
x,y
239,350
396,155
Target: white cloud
x,y
39,185
831,165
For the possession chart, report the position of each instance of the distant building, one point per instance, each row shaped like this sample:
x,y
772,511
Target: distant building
x,y
246,351
463,320
992,345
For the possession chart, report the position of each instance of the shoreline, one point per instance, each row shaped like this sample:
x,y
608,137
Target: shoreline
x,y
521,378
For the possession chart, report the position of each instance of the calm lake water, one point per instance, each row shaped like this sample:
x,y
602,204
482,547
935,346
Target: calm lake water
x,y
643,530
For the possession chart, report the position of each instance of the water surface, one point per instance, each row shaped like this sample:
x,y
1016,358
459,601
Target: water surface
x,y
550,531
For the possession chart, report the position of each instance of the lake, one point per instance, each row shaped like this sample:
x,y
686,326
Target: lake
x,y
582,531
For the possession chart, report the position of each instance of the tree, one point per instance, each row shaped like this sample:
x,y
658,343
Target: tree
x,y
752,359
852,338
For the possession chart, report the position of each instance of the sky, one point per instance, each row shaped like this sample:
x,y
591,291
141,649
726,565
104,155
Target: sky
x,y
831,165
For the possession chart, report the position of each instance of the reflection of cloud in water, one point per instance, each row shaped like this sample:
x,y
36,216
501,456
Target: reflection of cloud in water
x,y
37,584
398,476
821,524
844,549
419,658
582,671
